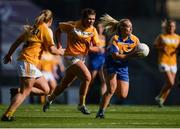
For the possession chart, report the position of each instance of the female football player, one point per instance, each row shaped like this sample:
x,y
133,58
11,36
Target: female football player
x,y
36,38
167,45
119,50
80,37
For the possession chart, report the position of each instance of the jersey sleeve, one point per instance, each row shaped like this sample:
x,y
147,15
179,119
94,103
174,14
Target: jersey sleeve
x,y
96,41
66,26
135,39
48,38
113,48
179,42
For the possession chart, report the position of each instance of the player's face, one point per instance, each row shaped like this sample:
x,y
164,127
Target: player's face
x,y
126,28
171,28
100,28
89,21
50,22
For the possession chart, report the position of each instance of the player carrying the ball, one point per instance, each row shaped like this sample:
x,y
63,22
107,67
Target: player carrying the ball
x,y
120,49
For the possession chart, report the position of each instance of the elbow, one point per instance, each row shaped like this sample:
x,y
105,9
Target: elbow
x,y
115,57
52,49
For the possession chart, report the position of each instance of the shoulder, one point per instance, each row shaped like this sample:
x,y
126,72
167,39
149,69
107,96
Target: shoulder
x,y
161,36
77,22
43,27
134,37
94,30
176,35
115,38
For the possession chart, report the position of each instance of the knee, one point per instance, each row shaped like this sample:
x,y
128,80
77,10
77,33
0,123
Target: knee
x,y
88,77
110,91
52,89
122,95
46,91
52,86
170,84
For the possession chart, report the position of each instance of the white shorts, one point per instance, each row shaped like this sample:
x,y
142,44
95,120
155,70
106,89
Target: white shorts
x,y
165,68
48,75
26,69
70,60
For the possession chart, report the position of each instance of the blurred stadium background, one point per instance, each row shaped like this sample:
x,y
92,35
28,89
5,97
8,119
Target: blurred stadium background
x,y
146,15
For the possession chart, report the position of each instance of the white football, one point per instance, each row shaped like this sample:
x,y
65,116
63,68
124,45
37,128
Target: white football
x,y
142,49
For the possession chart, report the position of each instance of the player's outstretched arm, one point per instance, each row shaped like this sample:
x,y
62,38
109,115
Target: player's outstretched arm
x,y
7,58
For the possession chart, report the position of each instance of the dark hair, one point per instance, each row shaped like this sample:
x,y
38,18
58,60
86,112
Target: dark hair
x,y
86,12
169,21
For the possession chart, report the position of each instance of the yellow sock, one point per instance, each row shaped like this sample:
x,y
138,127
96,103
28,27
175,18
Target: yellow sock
x,y
43,99
9,113
84,100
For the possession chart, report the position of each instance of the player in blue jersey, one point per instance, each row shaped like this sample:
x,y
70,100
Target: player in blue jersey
x,y
119,50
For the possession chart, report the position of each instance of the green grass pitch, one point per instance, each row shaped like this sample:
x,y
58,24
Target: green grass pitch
x,y
117,116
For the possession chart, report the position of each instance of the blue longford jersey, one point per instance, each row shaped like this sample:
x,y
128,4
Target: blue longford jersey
x,y
123,47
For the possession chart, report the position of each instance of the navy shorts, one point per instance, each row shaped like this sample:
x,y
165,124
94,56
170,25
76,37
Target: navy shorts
x,y
96,61
122,73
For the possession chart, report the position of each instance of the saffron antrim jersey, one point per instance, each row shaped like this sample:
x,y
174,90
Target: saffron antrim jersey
x,y
169,43
122,46
79,38
38,40
47,62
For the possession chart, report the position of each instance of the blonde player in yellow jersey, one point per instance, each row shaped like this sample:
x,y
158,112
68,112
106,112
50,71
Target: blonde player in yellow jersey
x,y
81,34
36,39
167,45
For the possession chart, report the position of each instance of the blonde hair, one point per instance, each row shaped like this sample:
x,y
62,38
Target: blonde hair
x,y
111,25
44,17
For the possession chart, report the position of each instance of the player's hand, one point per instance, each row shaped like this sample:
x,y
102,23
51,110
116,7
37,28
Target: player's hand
x,y
138,54
134,54
7,59
61,51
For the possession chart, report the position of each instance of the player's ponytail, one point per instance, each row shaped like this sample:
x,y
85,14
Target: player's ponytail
x,y
44,16
109,23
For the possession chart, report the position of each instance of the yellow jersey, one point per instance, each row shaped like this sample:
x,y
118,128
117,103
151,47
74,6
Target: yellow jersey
x,y
78,38
36,41
170,43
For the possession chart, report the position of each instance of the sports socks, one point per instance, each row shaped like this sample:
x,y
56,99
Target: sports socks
x,y
9,113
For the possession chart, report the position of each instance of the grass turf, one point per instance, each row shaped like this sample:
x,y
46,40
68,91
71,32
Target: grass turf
x,y
117,116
